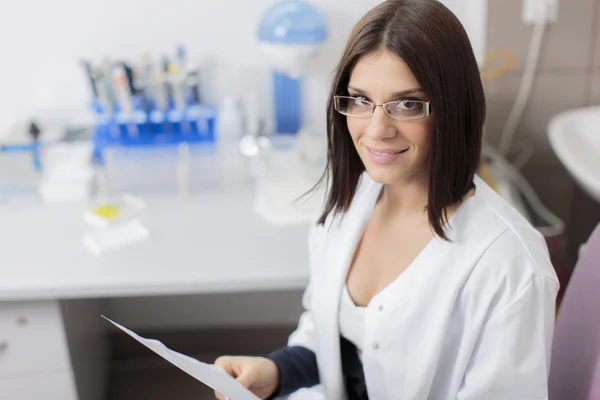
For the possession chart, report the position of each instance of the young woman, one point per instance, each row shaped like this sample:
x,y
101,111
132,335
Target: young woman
x,y
425,284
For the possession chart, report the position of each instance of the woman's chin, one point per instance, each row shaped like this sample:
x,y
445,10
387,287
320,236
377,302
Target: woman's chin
x,y
393,174
384,174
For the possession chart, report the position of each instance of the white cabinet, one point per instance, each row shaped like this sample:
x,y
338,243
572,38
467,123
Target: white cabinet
x,y
46,386
34,356
32,338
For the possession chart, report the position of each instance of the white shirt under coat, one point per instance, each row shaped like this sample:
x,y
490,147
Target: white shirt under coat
x,y
469,319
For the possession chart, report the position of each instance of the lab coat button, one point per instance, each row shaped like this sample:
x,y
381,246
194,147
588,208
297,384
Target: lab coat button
x,y
380,308
375,346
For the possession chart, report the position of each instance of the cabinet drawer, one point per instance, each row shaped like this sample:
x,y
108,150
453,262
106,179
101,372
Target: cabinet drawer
x,y
32,338
51,386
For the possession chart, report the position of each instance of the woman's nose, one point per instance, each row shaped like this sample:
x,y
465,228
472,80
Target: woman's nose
x,y
381,126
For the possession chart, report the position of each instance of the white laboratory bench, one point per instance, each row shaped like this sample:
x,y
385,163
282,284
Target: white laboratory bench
x,y
210,243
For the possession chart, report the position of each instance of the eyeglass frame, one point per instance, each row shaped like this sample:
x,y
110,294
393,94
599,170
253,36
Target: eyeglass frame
x,y
426,109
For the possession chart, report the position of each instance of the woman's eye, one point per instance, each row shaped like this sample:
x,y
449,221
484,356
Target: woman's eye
x,y
359,101
407,104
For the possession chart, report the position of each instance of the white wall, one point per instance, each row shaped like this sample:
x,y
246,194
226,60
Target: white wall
x,y
42,41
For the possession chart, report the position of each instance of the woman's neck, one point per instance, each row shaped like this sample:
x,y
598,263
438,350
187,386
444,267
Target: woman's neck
x,y
408,197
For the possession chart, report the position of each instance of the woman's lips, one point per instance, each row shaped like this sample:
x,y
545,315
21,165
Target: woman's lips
x,y
384,156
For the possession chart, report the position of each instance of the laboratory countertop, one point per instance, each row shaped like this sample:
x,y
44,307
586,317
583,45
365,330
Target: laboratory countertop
x,y
209,243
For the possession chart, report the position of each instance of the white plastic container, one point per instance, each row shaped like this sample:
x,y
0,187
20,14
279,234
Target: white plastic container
x,y
231,121
283,179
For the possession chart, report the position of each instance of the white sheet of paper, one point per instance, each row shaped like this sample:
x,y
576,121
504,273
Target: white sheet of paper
x,y
209,374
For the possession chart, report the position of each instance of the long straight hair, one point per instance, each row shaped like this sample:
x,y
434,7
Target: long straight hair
x,y
432,42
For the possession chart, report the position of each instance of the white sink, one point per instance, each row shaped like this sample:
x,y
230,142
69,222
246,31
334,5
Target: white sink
x,y
575,138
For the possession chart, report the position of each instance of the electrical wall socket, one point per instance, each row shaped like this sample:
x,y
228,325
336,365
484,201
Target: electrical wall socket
x,y
540,11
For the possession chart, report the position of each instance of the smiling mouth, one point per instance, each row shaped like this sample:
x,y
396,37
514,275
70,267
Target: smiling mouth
x,y
383,153
384,156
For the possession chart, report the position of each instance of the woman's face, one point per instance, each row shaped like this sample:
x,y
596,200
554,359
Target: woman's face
x,y
391,150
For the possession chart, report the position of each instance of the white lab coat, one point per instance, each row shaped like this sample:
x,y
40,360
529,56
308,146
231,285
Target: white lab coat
x,y
468,320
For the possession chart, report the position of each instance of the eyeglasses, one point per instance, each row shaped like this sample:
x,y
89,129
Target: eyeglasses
x,y
402,110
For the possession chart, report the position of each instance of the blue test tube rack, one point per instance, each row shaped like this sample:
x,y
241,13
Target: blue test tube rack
x,y
195,125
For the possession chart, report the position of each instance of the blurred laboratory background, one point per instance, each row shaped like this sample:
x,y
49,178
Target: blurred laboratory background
x,y
153,154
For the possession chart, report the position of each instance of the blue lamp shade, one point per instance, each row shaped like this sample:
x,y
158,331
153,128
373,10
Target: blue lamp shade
x,y
292,22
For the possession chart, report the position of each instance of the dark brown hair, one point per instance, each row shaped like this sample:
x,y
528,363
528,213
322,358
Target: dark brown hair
x,y
433,43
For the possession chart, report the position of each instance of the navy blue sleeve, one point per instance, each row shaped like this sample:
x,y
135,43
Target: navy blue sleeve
x,y
297,369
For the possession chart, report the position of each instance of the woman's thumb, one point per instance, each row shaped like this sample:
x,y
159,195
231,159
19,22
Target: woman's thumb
x,y
245,379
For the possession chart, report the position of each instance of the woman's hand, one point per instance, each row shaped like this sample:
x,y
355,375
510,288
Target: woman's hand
x,y
258,374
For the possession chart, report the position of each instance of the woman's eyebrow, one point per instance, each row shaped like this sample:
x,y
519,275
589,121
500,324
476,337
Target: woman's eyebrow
x,y
395,94
356,90
407,92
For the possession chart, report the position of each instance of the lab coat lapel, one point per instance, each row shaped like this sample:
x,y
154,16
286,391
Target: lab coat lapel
x,y
336,263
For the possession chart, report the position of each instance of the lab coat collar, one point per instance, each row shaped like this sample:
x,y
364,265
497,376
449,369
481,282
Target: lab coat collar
x,y
347,231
